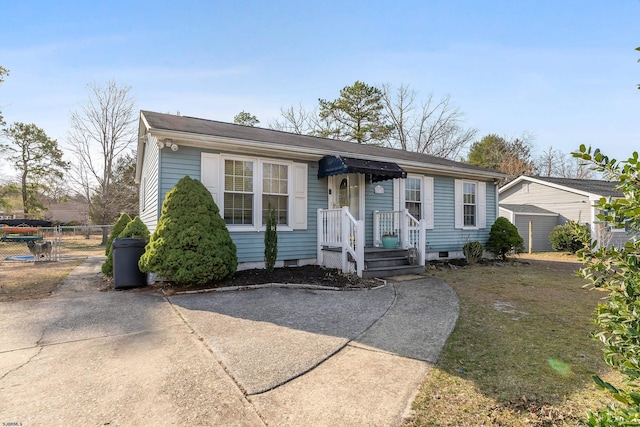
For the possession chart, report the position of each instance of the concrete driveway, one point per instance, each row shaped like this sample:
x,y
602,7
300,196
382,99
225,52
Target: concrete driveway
x,y
277,356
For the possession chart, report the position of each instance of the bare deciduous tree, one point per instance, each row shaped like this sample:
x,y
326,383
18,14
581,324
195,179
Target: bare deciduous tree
x,y
102,130
556,163
301,121
433,127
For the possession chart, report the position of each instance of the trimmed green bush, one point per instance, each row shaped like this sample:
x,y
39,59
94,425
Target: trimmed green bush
x,y
191,244
136,229
117,228
271,241
504,239
121,223
472,252
564,239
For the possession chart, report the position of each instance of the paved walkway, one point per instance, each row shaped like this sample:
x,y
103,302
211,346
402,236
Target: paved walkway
x,y
281,357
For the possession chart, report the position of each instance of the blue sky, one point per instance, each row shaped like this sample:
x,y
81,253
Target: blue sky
x,y
565,71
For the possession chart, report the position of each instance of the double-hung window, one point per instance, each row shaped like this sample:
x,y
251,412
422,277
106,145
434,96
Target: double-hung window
x,y
413,196
470,204
469,198
275,192
238,192
246,188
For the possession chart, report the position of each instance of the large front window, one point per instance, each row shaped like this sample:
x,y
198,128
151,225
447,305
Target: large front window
x,y
469,203
252,188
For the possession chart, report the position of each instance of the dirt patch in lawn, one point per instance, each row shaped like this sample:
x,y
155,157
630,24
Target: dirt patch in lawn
x,y
28,280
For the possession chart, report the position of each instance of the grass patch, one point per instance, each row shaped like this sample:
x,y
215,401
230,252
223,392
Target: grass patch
x,y
27,280
521,353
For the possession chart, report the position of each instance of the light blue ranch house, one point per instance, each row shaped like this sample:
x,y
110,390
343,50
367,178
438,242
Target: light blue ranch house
x,y
364,209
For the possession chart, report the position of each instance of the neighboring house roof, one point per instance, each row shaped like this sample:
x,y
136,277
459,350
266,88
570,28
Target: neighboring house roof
x,y
526,209
588,187
70,211
169,125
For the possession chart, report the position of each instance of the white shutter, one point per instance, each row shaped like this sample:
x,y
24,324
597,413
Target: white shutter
x,y
210,175
459,192
299,199
481,221
428,203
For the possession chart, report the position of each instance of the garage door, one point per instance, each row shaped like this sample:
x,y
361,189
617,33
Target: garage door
x,y
541,226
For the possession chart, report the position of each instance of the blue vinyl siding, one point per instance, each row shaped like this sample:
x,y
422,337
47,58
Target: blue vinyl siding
x,y
298,244
376,202
444,237
174,165
301,244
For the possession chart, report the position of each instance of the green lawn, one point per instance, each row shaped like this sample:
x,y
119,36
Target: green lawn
x,y
521,353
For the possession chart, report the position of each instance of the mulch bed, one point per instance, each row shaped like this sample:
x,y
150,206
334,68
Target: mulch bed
x,y
306,275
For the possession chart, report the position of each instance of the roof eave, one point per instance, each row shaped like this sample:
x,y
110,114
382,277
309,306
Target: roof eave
x,y
590,195
305,153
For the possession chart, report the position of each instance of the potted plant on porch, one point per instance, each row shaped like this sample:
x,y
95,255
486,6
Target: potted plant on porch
x,y
389,240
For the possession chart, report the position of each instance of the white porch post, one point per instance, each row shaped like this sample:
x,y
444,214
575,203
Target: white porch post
x,y
422,242
404,228
320,233
359,247
345,232
376,228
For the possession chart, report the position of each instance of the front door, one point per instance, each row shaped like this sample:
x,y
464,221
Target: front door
x,y
346,190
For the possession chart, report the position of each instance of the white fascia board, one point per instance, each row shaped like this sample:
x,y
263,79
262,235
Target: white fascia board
x,y
534,213
303,153
143,128
529,213
591,196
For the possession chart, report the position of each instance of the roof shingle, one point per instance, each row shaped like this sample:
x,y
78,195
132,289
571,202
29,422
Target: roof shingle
x,y
198,126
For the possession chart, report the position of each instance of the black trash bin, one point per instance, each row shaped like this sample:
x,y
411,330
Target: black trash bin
x,y
126,253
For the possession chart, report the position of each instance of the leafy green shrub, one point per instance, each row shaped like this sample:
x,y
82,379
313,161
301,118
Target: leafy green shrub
x,y
191,244
504,239
121,223
563,238
616,270
472,251
271,241
136,229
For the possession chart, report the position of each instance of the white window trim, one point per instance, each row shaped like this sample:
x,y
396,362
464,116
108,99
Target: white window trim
x,y
481,204
258,164
212,176
427,195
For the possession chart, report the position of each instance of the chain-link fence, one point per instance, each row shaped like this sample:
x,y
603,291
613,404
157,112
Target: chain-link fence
x,y
52,243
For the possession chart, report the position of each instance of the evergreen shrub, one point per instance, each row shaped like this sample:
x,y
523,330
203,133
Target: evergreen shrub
x,y
564,239
271,241
504,239
121,223
191,244
136,229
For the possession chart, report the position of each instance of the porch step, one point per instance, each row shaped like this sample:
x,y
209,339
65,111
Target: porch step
x,y
380,262
392,271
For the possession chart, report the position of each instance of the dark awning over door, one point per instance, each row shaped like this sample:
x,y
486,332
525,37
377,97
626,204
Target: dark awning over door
x,y
379,171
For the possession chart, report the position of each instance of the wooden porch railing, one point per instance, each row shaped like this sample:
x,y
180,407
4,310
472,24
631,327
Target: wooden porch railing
x,y
412,232
337,228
